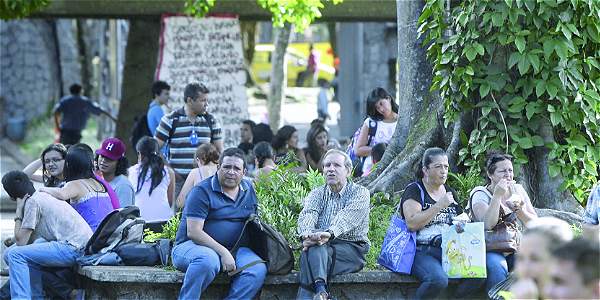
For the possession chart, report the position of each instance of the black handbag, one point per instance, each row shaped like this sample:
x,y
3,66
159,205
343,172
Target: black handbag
x,y
269,244
145,254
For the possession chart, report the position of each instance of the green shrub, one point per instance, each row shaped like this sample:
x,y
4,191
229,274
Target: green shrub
x,y
379,220
169,230
464,183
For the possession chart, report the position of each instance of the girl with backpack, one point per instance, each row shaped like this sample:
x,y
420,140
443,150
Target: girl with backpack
x,y
378,127
154,184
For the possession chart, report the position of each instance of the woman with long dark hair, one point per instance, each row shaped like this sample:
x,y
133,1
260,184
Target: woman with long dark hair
x,y
317,139
264,158
52,162
88,196
113,164
153,181
378,127
285,141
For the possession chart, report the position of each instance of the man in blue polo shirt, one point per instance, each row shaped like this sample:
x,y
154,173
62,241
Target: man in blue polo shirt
x,y
211,223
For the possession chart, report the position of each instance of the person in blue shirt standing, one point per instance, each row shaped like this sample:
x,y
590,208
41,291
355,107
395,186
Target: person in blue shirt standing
x,y
160,94
71,114
211,223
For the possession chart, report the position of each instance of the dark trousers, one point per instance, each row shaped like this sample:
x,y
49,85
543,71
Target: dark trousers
x,y
70,137
326,261
427,267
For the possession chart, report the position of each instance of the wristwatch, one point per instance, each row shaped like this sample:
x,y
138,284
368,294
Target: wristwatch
x,y
332,236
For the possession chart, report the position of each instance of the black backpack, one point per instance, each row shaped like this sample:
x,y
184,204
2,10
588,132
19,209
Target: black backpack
x,y
119,227
269,244
139,130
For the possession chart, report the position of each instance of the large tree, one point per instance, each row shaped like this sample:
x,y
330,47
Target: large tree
x,y
516,76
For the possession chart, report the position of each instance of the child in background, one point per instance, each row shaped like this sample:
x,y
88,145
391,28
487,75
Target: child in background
x,y
376,154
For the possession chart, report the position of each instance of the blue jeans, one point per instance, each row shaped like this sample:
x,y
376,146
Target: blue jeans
x,y
201,265
427,267
497,266
25,265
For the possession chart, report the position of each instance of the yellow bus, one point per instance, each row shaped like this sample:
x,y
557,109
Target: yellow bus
x,y
297,58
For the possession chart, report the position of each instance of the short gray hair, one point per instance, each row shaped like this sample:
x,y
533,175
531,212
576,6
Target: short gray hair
x,y
347,160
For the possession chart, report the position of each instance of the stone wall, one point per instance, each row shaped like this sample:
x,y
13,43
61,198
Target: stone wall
x,y
40,59
30,68
380,43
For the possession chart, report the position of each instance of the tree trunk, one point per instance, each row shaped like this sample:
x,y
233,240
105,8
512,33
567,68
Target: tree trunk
x,y
138,74
420,123
544,190
248,29
277,82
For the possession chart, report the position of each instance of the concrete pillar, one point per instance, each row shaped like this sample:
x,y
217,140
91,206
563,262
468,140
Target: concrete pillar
x,y
351,95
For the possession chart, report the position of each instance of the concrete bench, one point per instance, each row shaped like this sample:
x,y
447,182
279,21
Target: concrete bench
x,y
129,282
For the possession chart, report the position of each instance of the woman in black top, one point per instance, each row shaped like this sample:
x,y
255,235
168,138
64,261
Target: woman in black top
x,y
429,220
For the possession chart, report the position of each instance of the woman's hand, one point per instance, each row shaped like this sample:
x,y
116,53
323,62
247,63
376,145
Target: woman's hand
x,y
501,188
515,202
446,201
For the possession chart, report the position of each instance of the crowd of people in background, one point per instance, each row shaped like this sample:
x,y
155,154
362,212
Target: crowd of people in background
x,y
184,167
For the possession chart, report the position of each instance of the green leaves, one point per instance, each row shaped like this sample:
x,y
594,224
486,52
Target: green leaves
x,y
472,51
520,43
16,9
300,13
198,8
541,62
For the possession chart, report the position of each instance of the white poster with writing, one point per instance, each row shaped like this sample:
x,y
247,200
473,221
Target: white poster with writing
x,y
209,51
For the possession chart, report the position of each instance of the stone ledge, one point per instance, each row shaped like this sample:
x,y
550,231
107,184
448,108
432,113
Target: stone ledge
x,y
157,275
132,282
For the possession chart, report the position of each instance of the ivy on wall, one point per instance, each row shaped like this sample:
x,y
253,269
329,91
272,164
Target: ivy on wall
x,y
529,71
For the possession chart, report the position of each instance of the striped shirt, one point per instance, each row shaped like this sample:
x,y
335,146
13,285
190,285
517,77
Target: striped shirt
x,y
181,150
346,213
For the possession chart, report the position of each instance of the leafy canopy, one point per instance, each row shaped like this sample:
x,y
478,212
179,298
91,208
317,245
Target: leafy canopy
x,y
529,72
16,9
300,13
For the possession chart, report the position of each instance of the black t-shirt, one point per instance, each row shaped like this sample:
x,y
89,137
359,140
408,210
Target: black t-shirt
x,y
246,147
444,216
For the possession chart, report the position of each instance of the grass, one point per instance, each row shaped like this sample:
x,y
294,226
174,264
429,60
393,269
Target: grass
x,y
40,134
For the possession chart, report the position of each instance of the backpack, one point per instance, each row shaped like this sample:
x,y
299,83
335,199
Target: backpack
x,y
139,130
269,244
210,121
119,227
358,161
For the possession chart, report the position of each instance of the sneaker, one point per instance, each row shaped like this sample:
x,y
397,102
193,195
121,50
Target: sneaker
x,y
321,296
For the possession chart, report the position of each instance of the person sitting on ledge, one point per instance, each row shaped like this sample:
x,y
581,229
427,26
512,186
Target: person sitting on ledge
x,y
211,223
333,227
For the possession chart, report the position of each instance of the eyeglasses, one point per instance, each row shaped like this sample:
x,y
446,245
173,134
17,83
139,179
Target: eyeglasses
x,y
53,160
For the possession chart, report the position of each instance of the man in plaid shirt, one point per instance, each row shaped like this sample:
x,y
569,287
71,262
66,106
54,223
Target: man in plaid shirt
x,y
333,227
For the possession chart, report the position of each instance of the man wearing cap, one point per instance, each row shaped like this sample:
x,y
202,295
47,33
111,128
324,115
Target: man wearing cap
x,y
184,129
60,232
113,164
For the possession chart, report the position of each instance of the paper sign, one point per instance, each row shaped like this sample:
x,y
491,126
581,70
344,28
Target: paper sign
x,y
209,51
